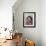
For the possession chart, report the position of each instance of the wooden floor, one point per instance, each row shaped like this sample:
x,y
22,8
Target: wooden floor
x,y
9,43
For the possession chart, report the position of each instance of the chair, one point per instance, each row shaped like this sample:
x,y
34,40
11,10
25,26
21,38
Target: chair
x,y
29,43
18,39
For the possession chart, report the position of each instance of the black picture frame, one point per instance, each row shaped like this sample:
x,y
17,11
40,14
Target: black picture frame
x,y
29,14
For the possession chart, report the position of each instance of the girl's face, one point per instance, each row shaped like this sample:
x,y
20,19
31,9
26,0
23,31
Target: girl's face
x,y
29,19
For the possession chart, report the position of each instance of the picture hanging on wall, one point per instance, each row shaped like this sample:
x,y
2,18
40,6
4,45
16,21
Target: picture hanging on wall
x,y
29,19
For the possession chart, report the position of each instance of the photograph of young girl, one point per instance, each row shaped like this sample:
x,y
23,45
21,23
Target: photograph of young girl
x,y
29,19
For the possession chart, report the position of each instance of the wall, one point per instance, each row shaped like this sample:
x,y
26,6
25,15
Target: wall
x,y
43,22
6,13
29,33
6,16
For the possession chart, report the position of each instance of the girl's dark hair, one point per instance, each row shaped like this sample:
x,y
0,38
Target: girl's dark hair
x,y
29,17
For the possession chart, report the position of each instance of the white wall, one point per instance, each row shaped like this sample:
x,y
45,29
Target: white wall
x,y
29,33
6,13
43,22
6,16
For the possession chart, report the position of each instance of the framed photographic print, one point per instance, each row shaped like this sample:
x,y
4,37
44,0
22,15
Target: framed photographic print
x,y
29,19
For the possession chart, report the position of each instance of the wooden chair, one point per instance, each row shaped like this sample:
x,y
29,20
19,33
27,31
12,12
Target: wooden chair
x,y
18,39
29,43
